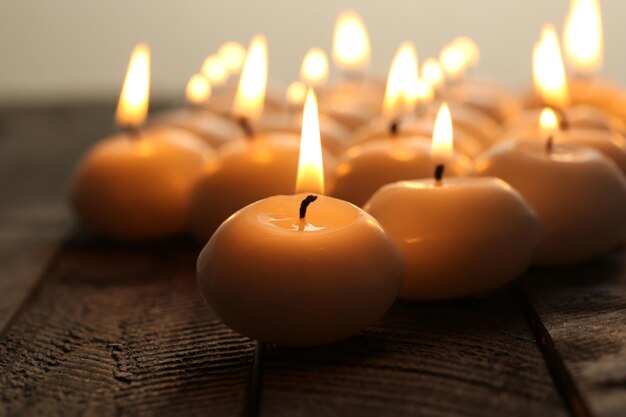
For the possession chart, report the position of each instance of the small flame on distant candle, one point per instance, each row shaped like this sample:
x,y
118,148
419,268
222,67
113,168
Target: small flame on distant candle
x,y
442,148
132,108
250,96
548,71
351,43
198,90
296,93
402,92
549,124
583,38
310,165
432,72
233,55
215,70
314,69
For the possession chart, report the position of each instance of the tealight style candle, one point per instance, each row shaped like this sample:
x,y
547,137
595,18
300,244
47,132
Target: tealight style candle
x,y
579,195
196,118
459,236
319,270
369,166
257,166
137,185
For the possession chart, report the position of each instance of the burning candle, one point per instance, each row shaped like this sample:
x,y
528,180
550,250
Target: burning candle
x,y
373,164
329,271
197,118
257,166
137,185
459,236
233,54
579,195
314,69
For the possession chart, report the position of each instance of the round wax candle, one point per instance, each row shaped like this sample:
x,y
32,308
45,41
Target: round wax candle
x,y
579,195
279,278
459,237
139,187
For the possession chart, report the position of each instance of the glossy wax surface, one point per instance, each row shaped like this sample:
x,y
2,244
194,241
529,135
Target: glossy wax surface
x,y
246,171
274,279
139,188
463,237
579,195
369,166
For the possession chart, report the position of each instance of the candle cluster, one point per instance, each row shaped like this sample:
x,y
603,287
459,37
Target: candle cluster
x,y
432,185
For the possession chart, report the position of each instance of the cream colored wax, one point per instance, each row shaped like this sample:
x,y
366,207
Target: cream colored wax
x,y
579,195
277,279
459,237
137,187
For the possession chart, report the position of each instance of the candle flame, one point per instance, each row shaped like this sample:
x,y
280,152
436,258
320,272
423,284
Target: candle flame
x,y
351,43
401,92
310,166
296,93
583,38
469,49
424,92
314,69
132,107
215,70
548,121
198,90
548,71
250,95
442,146
452,60
233,55
432,72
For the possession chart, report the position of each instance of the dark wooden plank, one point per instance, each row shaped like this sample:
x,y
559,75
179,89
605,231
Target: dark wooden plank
x,y
122,331
38,151
583,309
473,357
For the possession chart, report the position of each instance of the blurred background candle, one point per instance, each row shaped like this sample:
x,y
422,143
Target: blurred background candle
x,y
458,236
137,185
329,272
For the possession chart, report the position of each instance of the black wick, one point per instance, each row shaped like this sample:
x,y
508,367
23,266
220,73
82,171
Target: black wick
x,y
563,122
550,144
247,128
305,204
394,127
132,132
439,169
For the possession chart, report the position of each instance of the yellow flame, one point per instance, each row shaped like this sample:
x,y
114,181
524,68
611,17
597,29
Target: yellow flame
x,y
215,70
310,166
452,60
198,90
548,71
296,93
432,72
314,69
401,92
548,121
424,92
250,95
469,50
442,145
583,38
232,54
132,107
351,43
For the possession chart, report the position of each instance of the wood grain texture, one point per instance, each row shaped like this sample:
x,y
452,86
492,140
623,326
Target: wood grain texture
x,y
472,357
122,331
584,310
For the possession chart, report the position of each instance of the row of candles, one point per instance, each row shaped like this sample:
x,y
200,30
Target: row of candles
x,y
454,190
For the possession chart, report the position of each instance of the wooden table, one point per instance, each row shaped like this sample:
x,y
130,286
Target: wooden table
x,y
93,328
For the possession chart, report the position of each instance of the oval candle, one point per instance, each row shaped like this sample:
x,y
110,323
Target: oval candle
x,y
319,269
579,195
137,185
459,236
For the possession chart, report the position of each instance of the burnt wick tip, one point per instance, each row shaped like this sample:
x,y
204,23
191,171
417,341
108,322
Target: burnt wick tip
x,y
439,170
305,204
394,127
246,127
550,144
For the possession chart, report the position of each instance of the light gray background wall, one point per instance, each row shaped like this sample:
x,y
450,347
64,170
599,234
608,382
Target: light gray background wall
x,y
67,49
